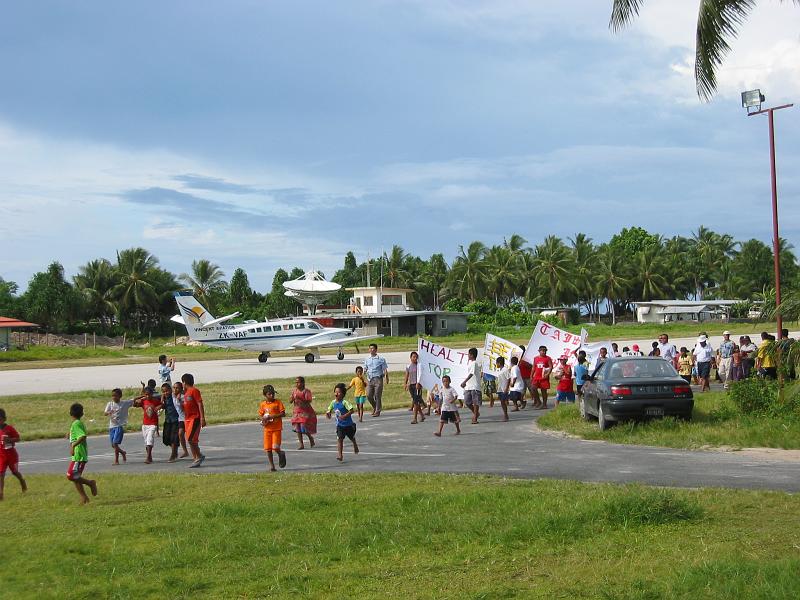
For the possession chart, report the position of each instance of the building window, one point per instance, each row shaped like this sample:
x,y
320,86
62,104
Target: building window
x,y
392,299
368,300
386,323
443,324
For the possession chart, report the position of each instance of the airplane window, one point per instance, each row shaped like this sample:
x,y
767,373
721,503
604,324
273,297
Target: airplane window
x,y
252,330
286,328
258,329
300,326
291,326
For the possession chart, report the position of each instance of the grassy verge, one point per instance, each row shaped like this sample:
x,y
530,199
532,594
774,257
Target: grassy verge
x,y
715,422
38,416
395,536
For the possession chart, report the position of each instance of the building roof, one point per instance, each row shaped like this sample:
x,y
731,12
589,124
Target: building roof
x,y
9,323
377,288
688,303
399,313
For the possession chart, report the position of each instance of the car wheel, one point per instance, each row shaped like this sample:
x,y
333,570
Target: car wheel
x,y
602,422
584,413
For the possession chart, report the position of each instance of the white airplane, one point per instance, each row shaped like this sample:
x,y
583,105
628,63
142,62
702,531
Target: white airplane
x,y
266,336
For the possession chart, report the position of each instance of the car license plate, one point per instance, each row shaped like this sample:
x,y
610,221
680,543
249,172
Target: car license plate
x,y
654,411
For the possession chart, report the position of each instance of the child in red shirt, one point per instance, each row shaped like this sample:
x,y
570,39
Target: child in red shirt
x,y
149,405
540,378
564,389
9,459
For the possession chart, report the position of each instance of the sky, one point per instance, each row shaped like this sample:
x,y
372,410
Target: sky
x,y
277,134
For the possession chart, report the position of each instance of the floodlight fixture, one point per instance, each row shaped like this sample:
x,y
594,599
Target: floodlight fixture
x,y
752,99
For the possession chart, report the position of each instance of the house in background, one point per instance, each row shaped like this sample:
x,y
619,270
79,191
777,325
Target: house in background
x,y
671,311
9,325
387,311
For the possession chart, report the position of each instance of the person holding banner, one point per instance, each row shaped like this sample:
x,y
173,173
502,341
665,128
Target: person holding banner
x,y
471,385
377,370
517,385
540,378
503,385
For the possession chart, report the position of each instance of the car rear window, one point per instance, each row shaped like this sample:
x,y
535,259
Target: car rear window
x,y
642,368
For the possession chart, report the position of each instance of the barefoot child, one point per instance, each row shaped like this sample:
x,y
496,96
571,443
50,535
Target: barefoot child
x,y
449,412
272,412
471,385
169,433
117,413
8,453
177,401
79,454
149,405
345,427
414,388
434,399
540,378
360,384
195,416
304,418
165,369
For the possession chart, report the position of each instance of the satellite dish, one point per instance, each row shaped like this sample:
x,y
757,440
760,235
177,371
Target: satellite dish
x,y
311,289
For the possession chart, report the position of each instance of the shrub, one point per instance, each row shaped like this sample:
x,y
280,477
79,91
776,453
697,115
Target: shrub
x,y
756,396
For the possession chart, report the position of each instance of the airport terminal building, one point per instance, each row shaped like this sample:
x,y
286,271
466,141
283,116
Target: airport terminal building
x,y
382,310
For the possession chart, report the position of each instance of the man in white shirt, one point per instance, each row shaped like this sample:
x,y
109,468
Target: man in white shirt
x,y
704,358
667,351
471,385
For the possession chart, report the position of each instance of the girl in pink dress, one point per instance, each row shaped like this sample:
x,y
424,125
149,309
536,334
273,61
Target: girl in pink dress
x,y
304,419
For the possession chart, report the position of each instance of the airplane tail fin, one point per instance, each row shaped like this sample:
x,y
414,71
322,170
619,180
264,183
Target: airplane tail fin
x,y
194,314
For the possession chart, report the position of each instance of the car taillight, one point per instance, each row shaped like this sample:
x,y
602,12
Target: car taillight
x,y
681,389
620,390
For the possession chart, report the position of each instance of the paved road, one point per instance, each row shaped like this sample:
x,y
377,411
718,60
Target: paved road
x,y
390,444
39,381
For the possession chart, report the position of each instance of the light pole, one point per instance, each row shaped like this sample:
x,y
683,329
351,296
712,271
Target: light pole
x,y
752,99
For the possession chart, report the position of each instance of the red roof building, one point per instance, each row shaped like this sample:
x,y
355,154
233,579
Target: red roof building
x,y
7,325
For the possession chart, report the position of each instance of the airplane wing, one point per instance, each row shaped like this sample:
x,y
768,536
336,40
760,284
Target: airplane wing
x,y
327,340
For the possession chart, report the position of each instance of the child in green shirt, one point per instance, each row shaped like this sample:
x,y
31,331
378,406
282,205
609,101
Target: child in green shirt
x,y
80,454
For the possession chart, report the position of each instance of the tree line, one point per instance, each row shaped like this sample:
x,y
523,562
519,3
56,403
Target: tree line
x,y
133,293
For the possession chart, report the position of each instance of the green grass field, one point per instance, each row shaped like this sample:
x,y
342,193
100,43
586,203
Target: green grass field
x,y
38,416
715,422
59,357
394,536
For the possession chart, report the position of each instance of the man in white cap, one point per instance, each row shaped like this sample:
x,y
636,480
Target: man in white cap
x,y
724,358
704,359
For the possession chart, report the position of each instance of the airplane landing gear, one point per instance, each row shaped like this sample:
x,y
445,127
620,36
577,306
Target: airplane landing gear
x,y
340,355
262,358
310,357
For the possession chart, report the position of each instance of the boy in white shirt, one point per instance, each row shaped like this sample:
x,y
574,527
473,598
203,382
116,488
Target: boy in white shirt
x,y
449,412
517,384
503,385
117,411
472,385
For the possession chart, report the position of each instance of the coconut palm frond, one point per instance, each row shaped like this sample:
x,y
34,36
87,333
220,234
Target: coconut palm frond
x,y
718,21
623,13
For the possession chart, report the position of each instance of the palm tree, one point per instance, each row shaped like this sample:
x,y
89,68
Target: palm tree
x,y
134,292
433,278
503,269
396,270
583,254
611,283
469,270
555,269
718,22
95,282
206,279
648,268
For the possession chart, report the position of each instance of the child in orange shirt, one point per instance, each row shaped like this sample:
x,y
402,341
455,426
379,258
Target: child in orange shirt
x,y
271,411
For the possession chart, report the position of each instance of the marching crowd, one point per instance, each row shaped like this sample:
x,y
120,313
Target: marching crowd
x,y
182,403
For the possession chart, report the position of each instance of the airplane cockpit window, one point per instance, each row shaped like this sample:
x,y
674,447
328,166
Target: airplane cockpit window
x,y
313,326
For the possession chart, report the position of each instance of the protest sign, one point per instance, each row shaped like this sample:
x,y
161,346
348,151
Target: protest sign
x,y
496,346
558,342
436,361
593,352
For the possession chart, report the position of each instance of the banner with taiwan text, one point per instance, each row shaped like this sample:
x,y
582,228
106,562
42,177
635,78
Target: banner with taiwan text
x,y
557,341
436,361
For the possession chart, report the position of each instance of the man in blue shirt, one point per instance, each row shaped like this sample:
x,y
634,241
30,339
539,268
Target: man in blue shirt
x,y
376,369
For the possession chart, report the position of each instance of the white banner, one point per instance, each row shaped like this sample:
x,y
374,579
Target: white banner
x,y
496,346
557,341
593,352
436,361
